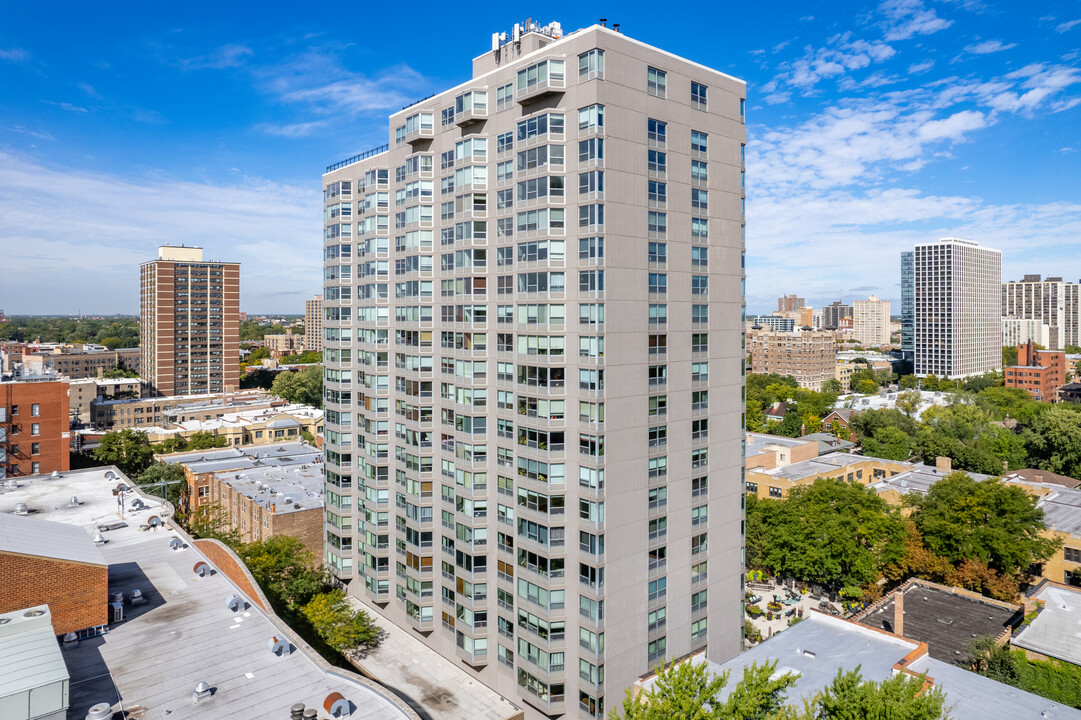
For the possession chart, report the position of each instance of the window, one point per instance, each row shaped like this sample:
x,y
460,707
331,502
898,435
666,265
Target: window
x,y
658,435
591,248
540,125
35,468
658,283
699,371
699,199
35,448
699,543
698,96
591,65
35,429
658,252
504,171
504,96
657,224
658,314
699,228
657,163
658,374
698,143
35,410
655,82
699,486
698,629
591,281
1072,554
658,193
591,182
699,515
657,588
657,649
699,256
699,313
775,492
591,216
658,405
699,342
700,284
591,118
656,132
657,619
547,73
590,150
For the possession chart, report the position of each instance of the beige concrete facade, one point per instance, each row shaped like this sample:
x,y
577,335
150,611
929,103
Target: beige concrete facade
x,y
85,391
871,321
578,208
313,324
282,345
189,324
1047,301
810,356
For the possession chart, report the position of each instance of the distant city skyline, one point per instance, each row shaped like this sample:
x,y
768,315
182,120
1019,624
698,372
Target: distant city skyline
x,y
869,131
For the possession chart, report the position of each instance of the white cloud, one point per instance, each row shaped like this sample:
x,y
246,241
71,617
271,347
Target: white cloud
x,y
1066,26
226,56
292,130
66,106
908,18
76,238
921,67
989,46
39,134
14,54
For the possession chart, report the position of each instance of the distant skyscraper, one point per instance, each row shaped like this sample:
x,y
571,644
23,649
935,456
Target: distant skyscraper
x,y
958,325
533,388
189,324
833,313
313,324
908,303
871,321
790,302
1053,301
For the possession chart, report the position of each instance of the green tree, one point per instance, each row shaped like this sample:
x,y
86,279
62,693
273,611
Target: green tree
x,y
119,372
258,378
966,433
829,532
338,624
997,524
909,382
160,472
688,691
303,358
128,449
1009,355
1003,402
258,354
833,385
888,442
304,386
899,697
285,568
211,521
1053,439
909,401
864,386
204,440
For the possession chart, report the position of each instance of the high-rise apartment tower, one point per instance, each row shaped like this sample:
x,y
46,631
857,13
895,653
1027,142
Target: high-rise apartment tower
x,y
958,328
1052,301
313,324
908,303
189,324
834,313
871,321
533,360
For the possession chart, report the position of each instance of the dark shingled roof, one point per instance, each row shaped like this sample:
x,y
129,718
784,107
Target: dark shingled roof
x,y
945,619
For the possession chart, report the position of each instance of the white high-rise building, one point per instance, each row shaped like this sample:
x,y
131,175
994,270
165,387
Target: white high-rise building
x,y
534,364
958,329
1016,331
1051,301
871,321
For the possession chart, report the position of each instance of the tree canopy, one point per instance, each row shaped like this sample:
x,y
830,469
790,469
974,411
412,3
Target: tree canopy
x,y
829,532
112,333
128,449
304,386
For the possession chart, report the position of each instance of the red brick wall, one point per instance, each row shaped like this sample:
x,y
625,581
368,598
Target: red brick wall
x,y
228,564
54,425
77,594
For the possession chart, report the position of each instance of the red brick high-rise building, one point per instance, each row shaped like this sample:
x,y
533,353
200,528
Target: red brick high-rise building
x,y
34,424
189,324
1040,372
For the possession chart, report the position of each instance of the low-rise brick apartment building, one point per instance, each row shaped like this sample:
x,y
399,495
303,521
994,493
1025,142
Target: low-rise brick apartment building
x,y
1039,372
109,414
84,391
809,356
261,490
34,424
55,564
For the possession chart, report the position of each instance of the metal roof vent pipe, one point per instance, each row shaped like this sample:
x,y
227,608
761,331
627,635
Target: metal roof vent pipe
x,y
310,713
101,711
71,640
74,502
202,692
234,603
22,509
280,647
135,597
176,543
296,712
55,475
98,539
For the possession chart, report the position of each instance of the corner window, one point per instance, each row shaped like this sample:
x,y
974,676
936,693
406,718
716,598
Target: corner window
x,y
656,81
591,65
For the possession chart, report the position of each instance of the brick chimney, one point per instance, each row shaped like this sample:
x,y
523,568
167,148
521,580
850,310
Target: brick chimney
x,y
943,464
899,613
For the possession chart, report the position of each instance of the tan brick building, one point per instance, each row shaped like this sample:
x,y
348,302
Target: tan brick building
x,y
282,345
109,414
1038,372
262,491
34,425
189,324
85,390
56,564
313,324
810,356
777,482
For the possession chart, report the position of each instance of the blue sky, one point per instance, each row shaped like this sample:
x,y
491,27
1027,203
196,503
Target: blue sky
x,y
871,127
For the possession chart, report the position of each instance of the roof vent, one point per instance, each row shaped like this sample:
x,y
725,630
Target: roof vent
x,y
22,509
202,692
154,521
288,501
55,474
11,485
110,475
138,504
234,603
337,705
74,502
202,569
135,597
176,544
98,539
296,712
116,597
33,613
71,639
279,646
101,711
